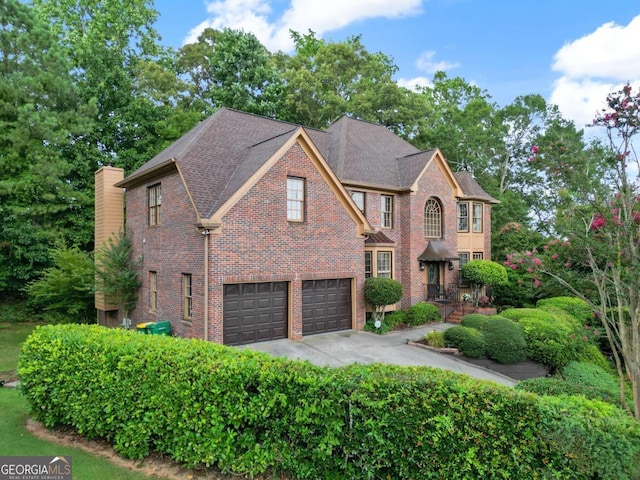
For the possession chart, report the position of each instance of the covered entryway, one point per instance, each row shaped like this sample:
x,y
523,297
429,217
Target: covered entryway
x,y
254,312
326,305
434,258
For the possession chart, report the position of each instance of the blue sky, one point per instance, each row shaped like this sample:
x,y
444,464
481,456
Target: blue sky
x,y
573,52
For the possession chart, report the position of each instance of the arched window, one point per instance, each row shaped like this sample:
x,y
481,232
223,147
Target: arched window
x,y
433,219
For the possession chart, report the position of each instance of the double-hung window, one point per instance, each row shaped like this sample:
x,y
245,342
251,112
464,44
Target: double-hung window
x,y
153,291
154,201
295,199
463,217
477,217
383,264
187,296
386,211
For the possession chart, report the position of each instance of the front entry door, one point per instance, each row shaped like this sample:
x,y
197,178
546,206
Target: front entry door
x,y
433,281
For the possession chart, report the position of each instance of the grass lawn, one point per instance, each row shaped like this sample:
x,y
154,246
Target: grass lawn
x,y
16,440
11,337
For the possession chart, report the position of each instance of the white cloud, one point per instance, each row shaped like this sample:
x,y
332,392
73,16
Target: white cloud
x,y
593,66
580,100
426,63
414,83
255,16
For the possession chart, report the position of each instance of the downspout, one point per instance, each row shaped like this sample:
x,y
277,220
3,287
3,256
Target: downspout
x,y
206,285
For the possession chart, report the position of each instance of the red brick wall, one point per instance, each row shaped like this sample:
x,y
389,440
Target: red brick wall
x,y
413,242
172,248
257,243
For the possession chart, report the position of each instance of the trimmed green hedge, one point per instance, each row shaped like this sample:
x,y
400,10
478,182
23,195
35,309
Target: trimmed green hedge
x,y
474,320
468,340
421,313
578,378
574,306
504,341
250,413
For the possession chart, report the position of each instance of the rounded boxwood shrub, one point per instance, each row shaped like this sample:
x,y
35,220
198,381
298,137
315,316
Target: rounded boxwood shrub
x,y
548,342
576,307
422,313
504,341
474,320
468,340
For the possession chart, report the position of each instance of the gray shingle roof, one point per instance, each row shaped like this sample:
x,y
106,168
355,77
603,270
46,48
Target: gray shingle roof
x,y
220,154
472,190
364,152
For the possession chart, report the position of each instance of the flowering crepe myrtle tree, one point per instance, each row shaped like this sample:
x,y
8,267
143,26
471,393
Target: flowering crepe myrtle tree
x,y
598,258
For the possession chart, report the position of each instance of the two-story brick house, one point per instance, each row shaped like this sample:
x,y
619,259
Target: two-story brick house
x,y
249,229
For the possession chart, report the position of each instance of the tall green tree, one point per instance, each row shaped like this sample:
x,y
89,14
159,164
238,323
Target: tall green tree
x,y
41,116
106,43
66,289
231,68
117,276
324,80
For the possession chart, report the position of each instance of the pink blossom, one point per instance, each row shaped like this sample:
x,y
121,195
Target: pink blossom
x,y
546,247
537,282
530,270
537,261
528,254
584,339
567,264
554,256
531,159
534,149
596,333
598,222
572,336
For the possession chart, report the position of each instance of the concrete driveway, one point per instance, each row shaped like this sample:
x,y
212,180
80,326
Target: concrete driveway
x,y
336,349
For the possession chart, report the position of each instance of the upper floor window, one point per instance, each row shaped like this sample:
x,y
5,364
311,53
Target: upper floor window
x,y
154,194
358,198
433,219
295,199
386,211
478,209
153,291
478,255
187,295
463,217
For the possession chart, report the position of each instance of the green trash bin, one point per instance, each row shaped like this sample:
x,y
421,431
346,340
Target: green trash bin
x,y
159,328
143,328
